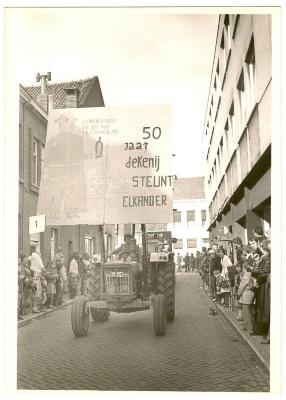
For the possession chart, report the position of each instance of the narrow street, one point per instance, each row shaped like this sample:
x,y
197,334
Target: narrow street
x,y
199,352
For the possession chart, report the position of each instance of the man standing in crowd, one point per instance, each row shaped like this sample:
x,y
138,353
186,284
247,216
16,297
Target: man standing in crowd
x,y
60,282
237,243
192,263
214,268
187,262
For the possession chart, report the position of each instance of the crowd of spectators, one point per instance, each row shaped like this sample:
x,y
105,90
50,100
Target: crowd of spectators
x,y
43,287
240,280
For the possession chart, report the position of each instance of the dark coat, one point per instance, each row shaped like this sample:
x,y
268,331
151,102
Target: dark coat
x,y
262,275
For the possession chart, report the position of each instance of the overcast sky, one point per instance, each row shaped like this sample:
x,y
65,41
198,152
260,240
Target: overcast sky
x,y
139,59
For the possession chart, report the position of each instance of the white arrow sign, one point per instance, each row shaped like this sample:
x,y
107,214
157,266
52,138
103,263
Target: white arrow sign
x,y
37,223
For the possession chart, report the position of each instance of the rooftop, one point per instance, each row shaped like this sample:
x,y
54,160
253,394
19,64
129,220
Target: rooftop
x,y
58,90
189,188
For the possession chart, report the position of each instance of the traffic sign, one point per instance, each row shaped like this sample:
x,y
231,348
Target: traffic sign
x,y
37,223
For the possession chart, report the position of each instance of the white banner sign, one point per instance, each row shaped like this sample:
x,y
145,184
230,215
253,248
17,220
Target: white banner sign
x,y
108,165
37,224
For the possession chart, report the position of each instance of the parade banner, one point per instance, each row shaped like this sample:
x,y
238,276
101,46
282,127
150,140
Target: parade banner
x,y
107,165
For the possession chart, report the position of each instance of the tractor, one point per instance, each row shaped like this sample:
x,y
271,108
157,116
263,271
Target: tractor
x,y
131,284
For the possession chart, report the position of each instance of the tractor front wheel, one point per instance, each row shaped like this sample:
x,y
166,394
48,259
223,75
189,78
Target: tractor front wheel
x,y
79,316
159,314
166,286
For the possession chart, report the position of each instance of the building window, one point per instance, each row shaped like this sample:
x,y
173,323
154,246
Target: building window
x,y
192,243
230,132
241,96
250,68
21,152
223,50
191,222
178,244
227,34
203,217
54,242
217,81
89,244
236,19
35,162
42,157
177,218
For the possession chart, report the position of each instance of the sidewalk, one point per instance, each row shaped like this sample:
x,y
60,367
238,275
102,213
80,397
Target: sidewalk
x,y
261,350
30,317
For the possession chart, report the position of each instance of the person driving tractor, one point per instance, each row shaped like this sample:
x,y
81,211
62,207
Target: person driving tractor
x,y
128,249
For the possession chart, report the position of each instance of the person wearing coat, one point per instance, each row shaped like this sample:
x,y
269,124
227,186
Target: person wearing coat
x,y
225,283
261,273
246,297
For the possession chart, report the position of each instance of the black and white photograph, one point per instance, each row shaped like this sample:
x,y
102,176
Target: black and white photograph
x,y
142,151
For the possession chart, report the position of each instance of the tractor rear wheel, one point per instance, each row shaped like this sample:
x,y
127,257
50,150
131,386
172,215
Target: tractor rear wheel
x,y
159,315
94,283
166,285
79,316
99,315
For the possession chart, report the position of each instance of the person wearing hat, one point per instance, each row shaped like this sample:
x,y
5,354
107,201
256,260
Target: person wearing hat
x,y
63,180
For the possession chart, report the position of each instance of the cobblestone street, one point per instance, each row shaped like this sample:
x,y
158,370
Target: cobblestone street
x,y
199,352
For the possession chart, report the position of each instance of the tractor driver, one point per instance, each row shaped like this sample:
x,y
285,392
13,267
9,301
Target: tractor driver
x,y
132,250
127,249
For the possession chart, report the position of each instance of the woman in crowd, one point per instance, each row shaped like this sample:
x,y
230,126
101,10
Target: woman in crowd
x,y
225,283
73,276
37,268
26,283
86,266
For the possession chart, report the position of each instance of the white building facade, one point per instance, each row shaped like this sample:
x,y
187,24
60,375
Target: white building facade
x,y
190,223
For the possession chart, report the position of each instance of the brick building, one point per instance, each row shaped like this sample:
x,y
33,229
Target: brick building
x,y
35,102
237,130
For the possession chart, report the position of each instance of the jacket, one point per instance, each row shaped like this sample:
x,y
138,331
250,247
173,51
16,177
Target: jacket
x,y
245,289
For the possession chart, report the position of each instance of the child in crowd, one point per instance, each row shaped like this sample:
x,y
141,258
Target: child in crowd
x,y
246,296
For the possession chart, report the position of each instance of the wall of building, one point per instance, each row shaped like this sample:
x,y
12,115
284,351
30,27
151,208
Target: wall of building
x,y
33,125
182,231
237,131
